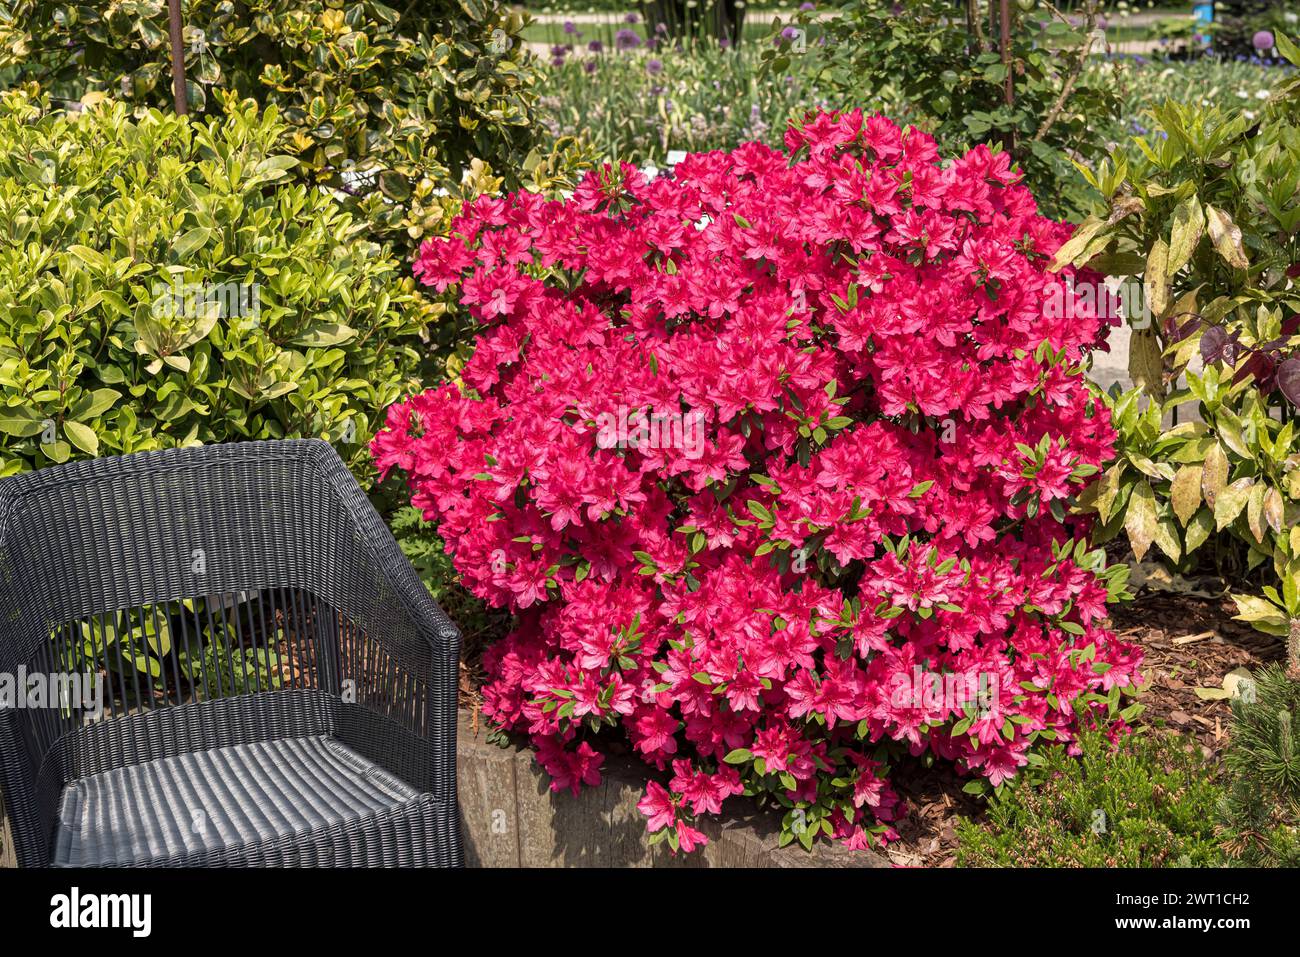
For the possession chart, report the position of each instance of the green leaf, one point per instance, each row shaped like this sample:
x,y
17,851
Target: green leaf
x,y
21,421
325,334
82,436
192,240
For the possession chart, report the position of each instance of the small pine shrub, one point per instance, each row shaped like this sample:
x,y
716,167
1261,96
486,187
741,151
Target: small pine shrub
x,y
1147,802
1260,814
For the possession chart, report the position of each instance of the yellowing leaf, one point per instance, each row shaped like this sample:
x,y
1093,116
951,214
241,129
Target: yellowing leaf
x,y
1273,509
1107,489
1078,242
1144,363
1215,474
1156,279
1189,224
1185,492
1226,236
1229,502
1255,512
1140,519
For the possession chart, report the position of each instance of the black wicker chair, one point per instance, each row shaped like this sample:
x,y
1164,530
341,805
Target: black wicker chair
x,y
269,682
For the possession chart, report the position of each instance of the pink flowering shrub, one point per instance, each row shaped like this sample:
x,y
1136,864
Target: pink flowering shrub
x,y
773,460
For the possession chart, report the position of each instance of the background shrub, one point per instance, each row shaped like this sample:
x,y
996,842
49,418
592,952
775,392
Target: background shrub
x,y
1149,801
392,105
101,216
639,108
949,80
1204,219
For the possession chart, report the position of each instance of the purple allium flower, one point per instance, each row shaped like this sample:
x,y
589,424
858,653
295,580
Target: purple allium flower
x,y
589,65
724,43
790,33
654,67
807,6
595,46
631,18
570,28
627,39
1263,40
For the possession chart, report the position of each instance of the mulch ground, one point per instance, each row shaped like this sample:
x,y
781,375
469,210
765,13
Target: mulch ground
x,y
1190,642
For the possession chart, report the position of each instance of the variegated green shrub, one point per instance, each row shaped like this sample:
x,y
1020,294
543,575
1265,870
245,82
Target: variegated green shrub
x,y
1207,219
392,105
165,282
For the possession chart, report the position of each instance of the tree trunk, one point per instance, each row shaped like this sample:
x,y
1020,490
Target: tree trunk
x,y
673,20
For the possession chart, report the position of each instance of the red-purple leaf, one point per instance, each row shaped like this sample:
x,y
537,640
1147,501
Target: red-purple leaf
x,y
1288,380
1213,343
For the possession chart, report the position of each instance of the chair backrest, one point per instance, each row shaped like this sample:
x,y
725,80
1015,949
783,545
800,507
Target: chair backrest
x,y
170,573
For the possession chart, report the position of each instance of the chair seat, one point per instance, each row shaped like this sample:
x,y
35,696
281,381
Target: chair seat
x,y
214,801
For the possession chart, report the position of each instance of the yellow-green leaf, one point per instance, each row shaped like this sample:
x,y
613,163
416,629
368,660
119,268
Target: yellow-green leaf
x,y
1230,501
1166,537
1185,492
1226,236
82,436
1140,519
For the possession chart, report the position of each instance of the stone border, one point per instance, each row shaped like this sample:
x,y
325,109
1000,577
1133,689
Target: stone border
x,y
510,818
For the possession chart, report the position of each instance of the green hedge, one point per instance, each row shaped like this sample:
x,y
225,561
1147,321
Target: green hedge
x,y
394,104
164,283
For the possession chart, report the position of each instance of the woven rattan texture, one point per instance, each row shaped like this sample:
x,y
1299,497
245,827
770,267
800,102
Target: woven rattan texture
x,y
265,601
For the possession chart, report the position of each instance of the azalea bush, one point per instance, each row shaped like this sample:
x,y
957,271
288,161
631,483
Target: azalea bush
x,y
773,462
